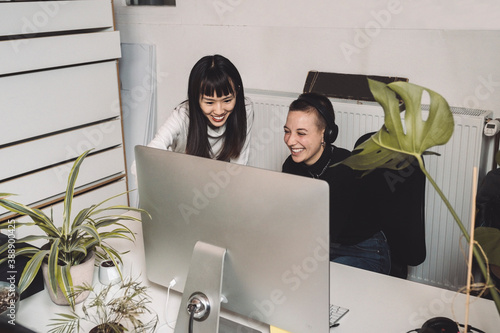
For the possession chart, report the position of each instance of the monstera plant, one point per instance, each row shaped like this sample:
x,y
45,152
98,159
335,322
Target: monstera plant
x,y
395,145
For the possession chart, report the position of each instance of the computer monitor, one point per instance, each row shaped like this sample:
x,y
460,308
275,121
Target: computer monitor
x,y
257,239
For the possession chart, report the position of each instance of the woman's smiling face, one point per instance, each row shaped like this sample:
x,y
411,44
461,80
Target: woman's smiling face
x,y
217,108
303,137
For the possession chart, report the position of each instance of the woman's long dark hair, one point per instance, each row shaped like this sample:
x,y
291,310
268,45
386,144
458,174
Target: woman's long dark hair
x,y
216,74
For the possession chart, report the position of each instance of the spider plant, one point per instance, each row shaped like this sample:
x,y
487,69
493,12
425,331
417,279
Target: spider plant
x,y
110,310
69,244
394,146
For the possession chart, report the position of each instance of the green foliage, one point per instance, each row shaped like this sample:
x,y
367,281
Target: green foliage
x,y
110,309
68,245
395,145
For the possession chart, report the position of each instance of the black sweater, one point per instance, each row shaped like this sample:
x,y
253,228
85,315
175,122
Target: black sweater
x,y
350,221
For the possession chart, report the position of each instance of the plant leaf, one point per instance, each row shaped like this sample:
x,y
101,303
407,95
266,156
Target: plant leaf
x,y
391,147
18,224
105,221
108,199
88,229
31,269
48,221
78,247
27,251
117,233
113,218
82,216
65,282
70,190
120,207
38,217
32,238
110,220
53,262
67,323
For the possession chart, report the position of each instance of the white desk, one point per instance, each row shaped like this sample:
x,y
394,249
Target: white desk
x,y
377,303
380,303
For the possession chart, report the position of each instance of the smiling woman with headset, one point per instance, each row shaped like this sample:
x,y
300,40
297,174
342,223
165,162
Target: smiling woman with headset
x,y
355,237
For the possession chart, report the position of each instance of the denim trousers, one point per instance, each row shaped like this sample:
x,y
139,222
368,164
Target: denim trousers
x,y
371,254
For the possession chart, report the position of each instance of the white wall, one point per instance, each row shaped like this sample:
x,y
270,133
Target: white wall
x,y
451,47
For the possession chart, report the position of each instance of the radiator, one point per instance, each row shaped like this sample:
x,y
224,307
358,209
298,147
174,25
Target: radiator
x,y
445,264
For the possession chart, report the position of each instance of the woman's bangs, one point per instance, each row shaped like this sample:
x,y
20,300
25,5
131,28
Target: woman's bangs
x,y
220,84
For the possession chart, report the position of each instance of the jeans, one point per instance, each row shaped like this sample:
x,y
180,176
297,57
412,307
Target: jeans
x,y
371,254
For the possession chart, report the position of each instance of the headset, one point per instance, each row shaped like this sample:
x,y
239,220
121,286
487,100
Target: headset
x,y
331,130
443,325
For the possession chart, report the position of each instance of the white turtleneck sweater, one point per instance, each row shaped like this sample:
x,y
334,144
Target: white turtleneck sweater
x,y
172,135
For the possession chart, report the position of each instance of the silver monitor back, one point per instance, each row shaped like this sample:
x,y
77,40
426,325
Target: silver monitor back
x,y
274,227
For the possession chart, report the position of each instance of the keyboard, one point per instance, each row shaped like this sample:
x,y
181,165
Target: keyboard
x,y
336,312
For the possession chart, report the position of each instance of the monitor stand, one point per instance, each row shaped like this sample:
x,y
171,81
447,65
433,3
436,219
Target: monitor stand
x,y
203,289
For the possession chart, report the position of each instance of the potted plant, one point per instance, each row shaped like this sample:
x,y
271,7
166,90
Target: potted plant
x,y
109,272
110,310
69,245
394,146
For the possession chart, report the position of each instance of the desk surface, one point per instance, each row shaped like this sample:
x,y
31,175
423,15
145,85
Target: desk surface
x,y
377,303
380,303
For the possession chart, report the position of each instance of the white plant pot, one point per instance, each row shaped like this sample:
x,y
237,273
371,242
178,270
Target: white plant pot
x,y
80,274
109,274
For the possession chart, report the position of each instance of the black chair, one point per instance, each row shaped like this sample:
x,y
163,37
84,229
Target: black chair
x,y
398,201
487,199
488,224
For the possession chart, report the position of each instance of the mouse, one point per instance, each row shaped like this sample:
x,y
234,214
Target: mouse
x,y
439,325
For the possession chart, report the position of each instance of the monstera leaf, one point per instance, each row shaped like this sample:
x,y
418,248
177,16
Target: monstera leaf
x,y
395,143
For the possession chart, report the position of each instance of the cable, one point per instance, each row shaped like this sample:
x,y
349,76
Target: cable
x,y
192,309
471,328
170,286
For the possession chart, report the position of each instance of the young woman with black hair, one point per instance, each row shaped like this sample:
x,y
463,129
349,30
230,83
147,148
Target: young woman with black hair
x,y
216,119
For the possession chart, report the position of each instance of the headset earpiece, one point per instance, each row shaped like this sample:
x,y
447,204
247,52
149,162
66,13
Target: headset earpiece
x,y
331,133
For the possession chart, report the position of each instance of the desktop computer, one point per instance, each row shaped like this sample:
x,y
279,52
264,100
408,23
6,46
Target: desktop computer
x,y
252,241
